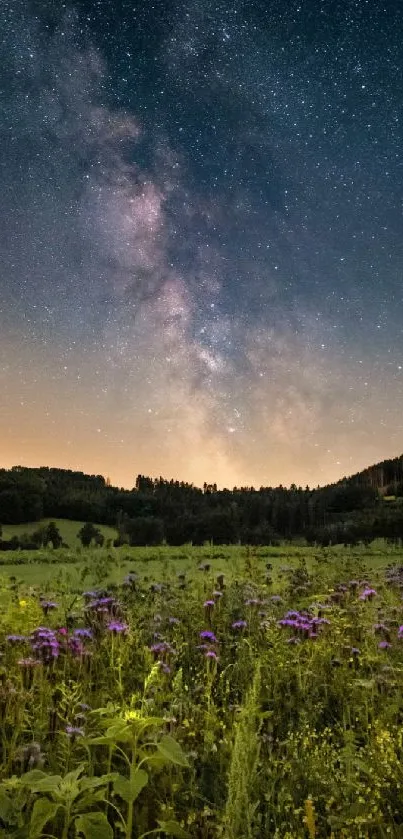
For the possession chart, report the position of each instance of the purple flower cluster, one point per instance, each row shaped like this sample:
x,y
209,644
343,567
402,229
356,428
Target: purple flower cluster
x,y
45,644
82,632
102,604
207,635
303,624
48,644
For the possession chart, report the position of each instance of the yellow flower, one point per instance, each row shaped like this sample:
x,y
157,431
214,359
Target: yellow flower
x,y
310,818
23,603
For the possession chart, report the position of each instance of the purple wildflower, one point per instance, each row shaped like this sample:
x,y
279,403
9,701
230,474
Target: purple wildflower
x,y
208,604
217,594
207,635
82,632
302,623
48,605
164,667
45,644
355,651
117,627
102,605
74,731
368,594
384,645
241,624
211,654
252,601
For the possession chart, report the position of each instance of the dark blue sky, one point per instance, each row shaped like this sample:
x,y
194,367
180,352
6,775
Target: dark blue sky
x,y
201,238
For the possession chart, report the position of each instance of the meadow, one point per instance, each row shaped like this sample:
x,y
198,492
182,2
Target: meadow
x,y
202,692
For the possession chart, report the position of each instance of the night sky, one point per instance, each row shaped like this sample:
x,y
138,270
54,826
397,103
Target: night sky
x,y
201,239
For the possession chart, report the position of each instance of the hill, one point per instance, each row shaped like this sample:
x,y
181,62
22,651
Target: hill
x,y
67,529
386,477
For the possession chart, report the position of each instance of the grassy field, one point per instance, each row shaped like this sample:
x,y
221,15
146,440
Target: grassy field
x,y
202,693
164,563
68,530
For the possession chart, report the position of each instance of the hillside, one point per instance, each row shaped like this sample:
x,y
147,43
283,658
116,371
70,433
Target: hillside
x,y
386,477
68,530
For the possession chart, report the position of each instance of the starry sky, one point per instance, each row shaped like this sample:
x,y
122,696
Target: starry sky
x,y
201,242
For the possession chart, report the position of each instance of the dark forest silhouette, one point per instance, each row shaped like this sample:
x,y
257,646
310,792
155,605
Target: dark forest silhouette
x,y
360,508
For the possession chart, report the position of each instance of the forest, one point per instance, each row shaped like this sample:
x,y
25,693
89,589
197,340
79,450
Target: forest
x,y
157,511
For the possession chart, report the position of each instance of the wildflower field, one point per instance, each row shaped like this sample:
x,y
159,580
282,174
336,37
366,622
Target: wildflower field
x,y
236,693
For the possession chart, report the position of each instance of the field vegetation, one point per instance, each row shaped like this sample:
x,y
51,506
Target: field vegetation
x,y
202,692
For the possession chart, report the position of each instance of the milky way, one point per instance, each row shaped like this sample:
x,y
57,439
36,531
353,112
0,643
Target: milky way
x,y
201,238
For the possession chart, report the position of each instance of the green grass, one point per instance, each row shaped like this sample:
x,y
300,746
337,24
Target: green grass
x,y
267,722
68,530
83,567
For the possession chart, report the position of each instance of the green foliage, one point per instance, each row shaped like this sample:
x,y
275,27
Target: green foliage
x,y
240,809
89,533
93,826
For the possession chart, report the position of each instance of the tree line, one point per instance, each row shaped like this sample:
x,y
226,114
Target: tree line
x,y
157,510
